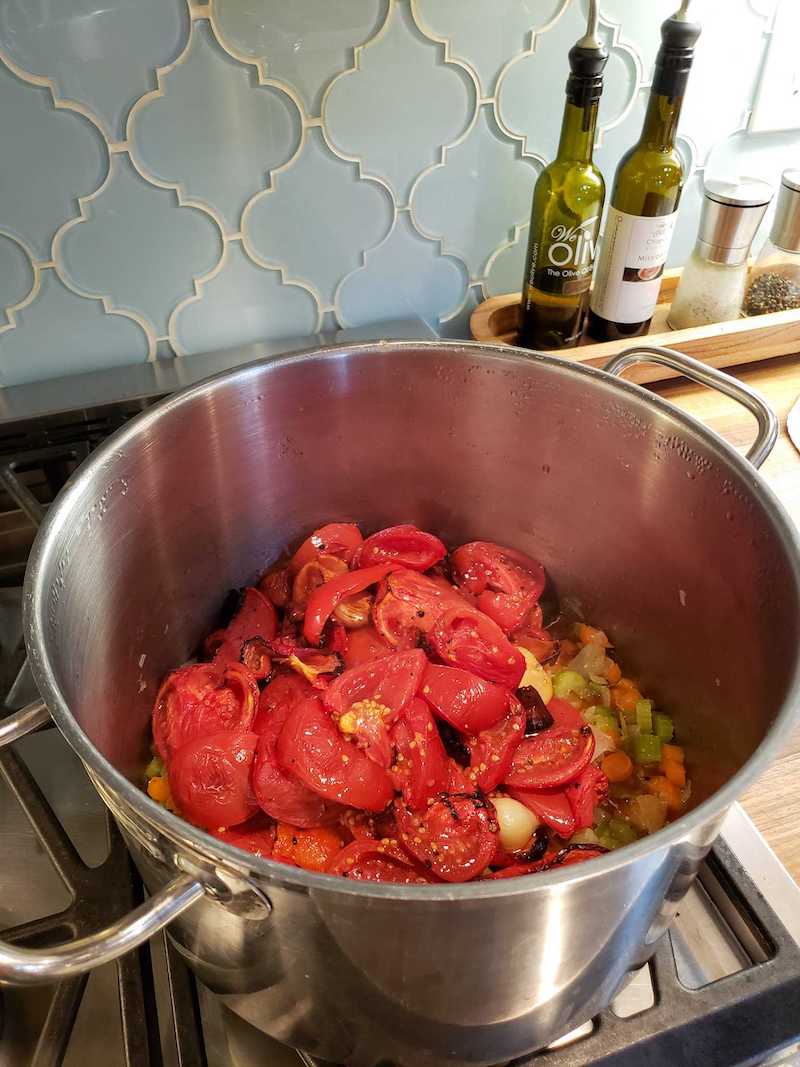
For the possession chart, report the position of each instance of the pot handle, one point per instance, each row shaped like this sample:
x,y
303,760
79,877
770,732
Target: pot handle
x,y
715,379
27,966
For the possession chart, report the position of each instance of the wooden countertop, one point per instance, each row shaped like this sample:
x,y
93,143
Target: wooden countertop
x,y
774,801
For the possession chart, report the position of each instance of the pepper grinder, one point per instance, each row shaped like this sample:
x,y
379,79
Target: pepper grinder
x,y
713,281
775,279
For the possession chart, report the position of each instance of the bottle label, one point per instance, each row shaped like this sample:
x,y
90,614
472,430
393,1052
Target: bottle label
x,y
630,266
564,260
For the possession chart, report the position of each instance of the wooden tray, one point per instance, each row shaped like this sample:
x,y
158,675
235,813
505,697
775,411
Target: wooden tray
x,y
723,344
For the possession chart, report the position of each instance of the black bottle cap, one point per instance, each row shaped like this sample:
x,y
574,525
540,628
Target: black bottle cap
x,y
674,60
586,64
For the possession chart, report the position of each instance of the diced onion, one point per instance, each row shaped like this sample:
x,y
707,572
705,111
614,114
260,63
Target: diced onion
x,y
535,675
516,823
590,660
602,743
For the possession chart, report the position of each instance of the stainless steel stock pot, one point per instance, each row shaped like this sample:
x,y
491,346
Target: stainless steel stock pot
x,y
649,523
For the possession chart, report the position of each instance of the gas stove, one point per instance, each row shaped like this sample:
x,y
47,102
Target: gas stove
x,y
722,989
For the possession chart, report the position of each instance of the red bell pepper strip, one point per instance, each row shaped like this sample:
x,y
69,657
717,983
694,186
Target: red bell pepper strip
x,y
324,599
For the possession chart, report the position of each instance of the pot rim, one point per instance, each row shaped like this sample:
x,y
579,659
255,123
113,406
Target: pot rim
x,y
184,834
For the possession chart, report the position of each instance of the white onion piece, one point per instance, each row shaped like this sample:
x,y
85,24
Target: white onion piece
x,y
602,743
535,675
590,660
516,823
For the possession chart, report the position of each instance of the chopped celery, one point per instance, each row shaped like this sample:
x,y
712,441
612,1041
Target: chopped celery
x,y
663,726
603,719
602,691
585,837
155,768
567,682
620,830
647,748
644,716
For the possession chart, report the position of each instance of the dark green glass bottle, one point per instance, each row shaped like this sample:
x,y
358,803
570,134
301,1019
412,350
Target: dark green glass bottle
x,y
644,200
565,217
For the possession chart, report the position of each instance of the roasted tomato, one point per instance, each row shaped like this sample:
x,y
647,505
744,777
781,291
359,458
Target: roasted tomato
x,y
312,850
468,702
492,750
323,600
364,646
409,606
455,836
313,748
341,539
551,806
421,768
467,638
407,545
366,700
505,583
585,793
311,576
257,835
202,699
576,854
368,860
554,756
254,618
276,585
210,779
279,793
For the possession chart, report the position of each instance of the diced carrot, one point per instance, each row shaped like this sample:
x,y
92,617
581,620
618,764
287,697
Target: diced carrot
x,y
672,752
664,789
674,771
591,635
625,697
617,766
158,789
613,672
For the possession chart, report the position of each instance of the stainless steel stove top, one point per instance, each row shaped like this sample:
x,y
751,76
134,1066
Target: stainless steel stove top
x,y
732,956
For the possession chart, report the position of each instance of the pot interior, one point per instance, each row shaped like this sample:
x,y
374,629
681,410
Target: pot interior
x,y
645,526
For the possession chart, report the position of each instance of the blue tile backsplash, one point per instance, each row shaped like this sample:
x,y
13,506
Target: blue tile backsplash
x,y
183,175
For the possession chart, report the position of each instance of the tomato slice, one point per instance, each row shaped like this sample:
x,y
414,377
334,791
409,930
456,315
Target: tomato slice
x,y
201,699
210,779
538,641
341,539
455,837
254,617
421,768
323,600
366,860
551,806
554,756
517,869
585,793
312,748
279,793
492,750
406,544
505,583
464,637
576,854
366,700
364,646
257,835
468,702
310,849
410,606
276,585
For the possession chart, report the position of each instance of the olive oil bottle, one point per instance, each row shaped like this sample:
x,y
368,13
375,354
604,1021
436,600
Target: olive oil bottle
x,y
567,205
644,200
